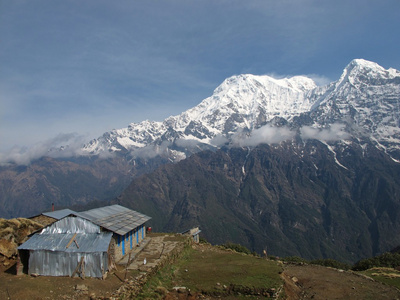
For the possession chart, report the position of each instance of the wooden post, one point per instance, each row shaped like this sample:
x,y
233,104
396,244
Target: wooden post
x,y
72,239
20,266
82,268
77,268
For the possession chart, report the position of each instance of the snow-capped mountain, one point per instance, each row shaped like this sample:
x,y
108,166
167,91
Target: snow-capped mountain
x,y
244,101
365,99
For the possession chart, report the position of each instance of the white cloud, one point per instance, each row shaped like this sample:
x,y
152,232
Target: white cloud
x,y
272,135
335,132
186,143
264,135
50,147
152,150
219,140
71,143
320,80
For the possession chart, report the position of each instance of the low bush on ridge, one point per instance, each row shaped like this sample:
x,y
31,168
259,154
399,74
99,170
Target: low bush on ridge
x,y
236,247
328,262
388,260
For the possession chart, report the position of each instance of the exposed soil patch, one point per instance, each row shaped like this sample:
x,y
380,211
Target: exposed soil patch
x,y
316,282
47,287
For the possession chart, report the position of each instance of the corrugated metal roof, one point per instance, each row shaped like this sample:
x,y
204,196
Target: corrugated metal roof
x,y
59,214
71,224
115,218
88,243
106,211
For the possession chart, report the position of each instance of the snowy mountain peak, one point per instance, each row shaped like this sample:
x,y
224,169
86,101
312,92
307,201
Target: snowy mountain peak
x,y
362,70
367,99
237,82
246,101
365,64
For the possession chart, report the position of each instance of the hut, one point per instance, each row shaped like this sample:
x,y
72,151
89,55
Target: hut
x,y
86,243
194,233
69,244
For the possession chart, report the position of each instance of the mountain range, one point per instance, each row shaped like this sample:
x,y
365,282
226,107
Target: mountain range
x,y
281,164
248,110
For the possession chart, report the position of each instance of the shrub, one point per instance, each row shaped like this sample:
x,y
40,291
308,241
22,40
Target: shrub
x,y
273,257
203,240
236,247
388,260
295,259
328,262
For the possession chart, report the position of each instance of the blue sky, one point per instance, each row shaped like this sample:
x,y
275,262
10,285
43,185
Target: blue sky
x,y
87,67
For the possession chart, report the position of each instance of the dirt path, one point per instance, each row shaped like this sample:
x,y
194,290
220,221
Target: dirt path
x,y
316,282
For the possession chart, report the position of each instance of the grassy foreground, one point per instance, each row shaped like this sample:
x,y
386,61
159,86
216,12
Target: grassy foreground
x,y
388,276
209,270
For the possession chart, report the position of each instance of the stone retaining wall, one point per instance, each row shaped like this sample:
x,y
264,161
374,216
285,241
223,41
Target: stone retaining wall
x,y
131,288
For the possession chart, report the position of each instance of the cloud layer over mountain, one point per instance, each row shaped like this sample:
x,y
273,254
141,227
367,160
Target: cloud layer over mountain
x,y
55,147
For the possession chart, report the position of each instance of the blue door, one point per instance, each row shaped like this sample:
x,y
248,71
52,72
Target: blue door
x,y
123,245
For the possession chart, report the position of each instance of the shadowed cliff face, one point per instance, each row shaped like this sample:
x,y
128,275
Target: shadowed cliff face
x,y
291,199
26,191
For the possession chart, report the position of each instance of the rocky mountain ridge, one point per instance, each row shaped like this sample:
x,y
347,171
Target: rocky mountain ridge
x,y
365,100
292,198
